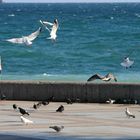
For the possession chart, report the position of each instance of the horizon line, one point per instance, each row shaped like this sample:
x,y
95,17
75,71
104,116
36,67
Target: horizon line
x,y
73,2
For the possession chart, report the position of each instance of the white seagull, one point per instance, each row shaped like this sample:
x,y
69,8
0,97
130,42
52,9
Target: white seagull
x,y
127,62
110,101
52,30
27,40
129,114
26,121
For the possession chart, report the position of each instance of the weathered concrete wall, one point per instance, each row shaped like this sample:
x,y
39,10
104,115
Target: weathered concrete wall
x,y
86,92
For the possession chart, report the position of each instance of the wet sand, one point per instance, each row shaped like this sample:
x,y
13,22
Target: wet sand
x,y
81,121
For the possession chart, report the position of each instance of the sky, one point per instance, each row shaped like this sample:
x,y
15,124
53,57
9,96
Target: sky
x,y
57,1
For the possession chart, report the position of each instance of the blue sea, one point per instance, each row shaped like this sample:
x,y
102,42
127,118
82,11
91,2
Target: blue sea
x,y
92,38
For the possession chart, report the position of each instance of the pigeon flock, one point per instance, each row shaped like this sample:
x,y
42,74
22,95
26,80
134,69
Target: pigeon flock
x,y
23,112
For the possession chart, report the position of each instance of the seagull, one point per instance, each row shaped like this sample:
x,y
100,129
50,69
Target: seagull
x,y
27,40
129,114
23,111
26,121
60,109
52,30
106,78
110,101
14,106
127,63
57,128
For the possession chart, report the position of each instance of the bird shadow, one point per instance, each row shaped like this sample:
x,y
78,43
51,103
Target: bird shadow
x,y
51,132
6,109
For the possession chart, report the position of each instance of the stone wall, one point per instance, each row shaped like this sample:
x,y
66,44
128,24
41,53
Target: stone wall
x,y
86,92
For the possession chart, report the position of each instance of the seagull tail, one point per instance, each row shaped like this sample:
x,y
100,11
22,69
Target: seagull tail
x,y
49,37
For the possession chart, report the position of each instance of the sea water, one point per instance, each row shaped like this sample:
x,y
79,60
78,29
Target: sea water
x,y
92,38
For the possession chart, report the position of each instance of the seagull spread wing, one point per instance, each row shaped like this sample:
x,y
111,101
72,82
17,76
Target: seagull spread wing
x,y
16,40
26,39
34,35
94,77
127,64
46,23
110,76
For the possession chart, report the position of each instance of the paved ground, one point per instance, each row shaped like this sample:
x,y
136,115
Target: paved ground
x,y
81,121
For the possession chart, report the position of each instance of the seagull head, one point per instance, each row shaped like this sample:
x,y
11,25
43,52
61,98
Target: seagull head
x,y
55,21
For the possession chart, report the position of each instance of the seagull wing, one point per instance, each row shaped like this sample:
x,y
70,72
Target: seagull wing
x,y
46,23
127,64
110,76
16,40
34,35
94,77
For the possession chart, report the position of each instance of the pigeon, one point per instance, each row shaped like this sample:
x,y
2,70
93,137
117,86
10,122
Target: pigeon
x,y
14,106
109,101
53,30
26,121
45,103
23,111
129,114
106,78
127,63
3,97
60,109
50,99
27,40
57,128
35,106
68,101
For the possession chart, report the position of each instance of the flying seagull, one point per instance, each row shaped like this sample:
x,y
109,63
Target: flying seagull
x,y
129,114
23,111
52,30
60,109
26,121
127,63
57,128
27,40
106,78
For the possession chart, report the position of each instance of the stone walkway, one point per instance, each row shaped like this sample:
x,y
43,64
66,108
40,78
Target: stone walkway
x,y
81,121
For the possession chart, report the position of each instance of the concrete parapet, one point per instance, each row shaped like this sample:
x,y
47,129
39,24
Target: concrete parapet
x,y
86,92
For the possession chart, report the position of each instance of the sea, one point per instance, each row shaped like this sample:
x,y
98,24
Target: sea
x,y
91,38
